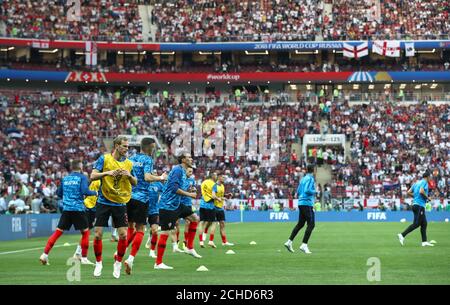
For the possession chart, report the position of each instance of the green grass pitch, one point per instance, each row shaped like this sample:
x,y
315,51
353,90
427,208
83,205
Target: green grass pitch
x,y
340,255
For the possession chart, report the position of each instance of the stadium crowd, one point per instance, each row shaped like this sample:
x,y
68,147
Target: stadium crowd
x,y
41,132
52,127
276,20
102,20
390,145
222,20
229,20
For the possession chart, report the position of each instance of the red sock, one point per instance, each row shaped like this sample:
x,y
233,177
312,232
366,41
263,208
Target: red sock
x,y
206,230
154,241
161,248
178,236
98,248
200,236
84,243
137,243
121,249
130,236
52,240
191,236
224,238
186,236
211,237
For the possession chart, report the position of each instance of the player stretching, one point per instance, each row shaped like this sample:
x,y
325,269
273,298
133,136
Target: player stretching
x,y
219,192
207,208
306,193
137,207
73,188
114,170
419,191
171,209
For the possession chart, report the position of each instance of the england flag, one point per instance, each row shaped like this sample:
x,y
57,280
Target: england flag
x,y
357,51
91,53
390,48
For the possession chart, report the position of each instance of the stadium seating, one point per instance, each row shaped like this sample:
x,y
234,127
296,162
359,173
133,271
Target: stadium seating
x,y
102,20
390,145
39,135
232,20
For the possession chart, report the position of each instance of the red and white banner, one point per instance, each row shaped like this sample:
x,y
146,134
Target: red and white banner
x,y
95,77
76,76
357,51
40,44
229,77
390,48
91,53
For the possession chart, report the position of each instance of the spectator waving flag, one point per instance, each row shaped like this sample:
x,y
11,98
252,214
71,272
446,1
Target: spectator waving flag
x,y
389,185
356,51
389,48
91,53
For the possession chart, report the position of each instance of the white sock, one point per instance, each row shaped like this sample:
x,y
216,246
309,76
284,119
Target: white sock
x,y
114,233
78,250
289,242
130,258
45,255
304,245
174,245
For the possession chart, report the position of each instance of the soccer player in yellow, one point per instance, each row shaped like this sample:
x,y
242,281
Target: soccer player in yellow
x,y
114,171
219,192
207,208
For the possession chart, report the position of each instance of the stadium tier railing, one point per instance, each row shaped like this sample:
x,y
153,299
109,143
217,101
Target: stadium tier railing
x,y
276,37
408,98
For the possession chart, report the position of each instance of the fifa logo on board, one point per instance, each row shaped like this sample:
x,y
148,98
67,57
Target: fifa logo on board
x,y
279,216
376,216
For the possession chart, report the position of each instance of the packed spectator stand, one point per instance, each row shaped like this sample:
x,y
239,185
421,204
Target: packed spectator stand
x,y
42,131
229,20
101,20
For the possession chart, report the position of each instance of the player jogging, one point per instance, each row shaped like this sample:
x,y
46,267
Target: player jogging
x,y
73,188
89,203
207,208
155,189
419,192
219,192
153,220
189,186
306,193
137,207
114,170
171,209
